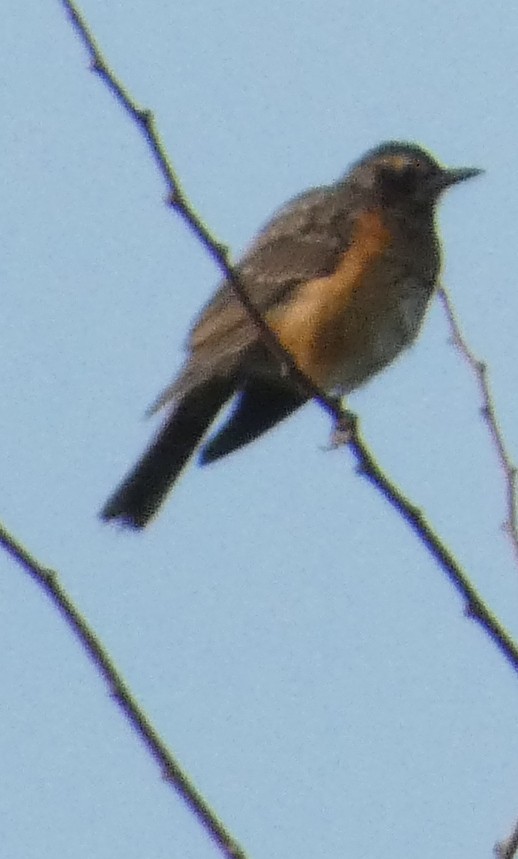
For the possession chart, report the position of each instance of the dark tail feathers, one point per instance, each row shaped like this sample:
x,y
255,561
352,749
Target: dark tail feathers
x,y
261,405
140,495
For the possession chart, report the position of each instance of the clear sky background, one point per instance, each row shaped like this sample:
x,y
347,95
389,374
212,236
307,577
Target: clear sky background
x,y
296,647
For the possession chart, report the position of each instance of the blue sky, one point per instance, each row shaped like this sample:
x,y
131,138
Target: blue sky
x,y
294,644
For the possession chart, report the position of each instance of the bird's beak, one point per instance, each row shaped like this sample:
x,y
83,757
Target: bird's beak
x,y
458,174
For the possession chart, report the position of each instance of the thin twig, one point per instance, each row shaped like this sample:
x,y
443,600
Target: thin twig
x,y
488,411
178,200
346,425
508,849
171,769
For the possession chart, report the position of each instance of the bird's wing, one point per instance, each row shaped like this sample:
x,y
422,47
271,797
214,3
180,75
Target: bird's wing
x,y
303,241
297,245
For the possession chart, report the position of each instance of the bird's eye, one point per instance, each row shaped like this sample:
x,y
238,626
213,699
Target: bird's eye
x,y
397,183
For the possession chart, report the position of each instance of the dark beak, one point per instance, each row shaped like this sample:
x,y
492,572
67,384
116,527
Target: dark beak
x,y
458,174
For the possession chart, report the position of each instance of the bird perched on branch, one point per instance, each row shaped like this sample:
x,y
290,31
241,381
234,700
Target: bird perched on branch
x,y
342,274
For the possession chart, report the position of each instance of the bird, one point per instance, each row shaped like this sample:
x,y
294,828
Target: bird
x,y
342,274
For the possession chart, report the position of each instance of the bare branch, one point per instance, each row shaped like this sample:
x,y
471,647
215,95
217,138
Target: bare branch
x,y
178,201
489,415
171,769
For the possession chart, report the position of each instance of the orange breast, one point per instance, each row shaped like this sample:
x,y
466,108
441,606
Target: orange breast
x,y
331,320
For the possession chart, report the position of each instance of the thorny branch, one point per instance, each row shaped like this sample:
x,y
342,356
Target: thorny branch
x,y
488,411
171,770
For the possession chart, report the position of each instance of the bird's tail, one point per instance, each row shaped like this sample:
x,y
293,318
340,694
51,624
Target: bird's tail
x,y
262,403
142,492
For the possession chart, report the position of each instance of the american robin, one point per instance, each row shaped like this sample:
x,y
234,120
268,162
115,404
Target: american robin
x,y
343,274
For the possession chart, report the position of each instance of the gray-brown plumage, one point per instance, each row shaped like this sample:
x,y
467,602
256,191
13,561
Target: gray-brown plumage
x,y
343,274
